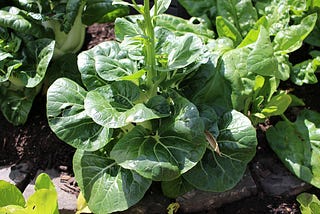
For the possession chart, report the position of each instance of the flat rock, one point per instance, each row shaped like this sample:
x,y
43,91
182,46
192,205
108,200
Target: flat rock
x,y
276,180
67,201
199,201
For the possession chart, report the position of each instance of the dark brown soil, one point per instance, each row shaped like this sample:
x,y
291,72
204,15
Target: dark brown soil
x,y
36,143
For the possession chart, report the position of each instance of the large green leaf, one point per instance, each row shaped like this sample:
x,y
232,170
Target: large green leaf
x,y
104,62
106,186
172,150
10,195
297,145
237,143
113,105
43,201
261,59
291,38
68,119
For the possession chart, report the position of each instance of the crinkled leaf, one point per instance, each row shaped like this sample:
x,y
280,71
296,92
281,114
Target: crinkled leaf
x,y
185,50
309,204
237,143
172,150
17,22
304,72
124,28
291,38
297,145
106,186
261,59
113,105
68,119
104,62
10,195
181,26
234,69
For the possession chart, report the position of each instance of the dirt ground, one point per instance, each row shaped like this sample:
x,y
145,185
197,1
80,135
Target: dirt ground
x,y
34,142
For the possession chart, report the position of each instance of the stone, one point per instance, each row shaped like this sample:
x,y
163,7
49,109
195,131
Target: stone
x,y
67,201
276,180
199,201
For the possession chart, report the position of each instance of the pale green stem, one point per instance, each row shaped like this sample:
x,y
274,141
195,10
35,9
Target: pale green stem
x,y
150,49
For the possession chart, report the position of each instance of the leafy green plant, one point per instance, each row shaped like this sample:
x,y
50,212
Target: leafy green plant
x,y
32,33
44,200
251,58
309,204
133,122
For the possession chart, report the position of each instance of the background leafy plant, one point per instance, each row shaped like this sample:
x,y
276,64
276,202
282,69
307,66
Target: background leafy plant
x,y
253,55
32,33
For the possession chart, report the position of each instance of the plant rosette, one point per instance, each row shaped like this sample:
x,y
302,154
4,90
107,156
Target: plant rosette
x,y
132,122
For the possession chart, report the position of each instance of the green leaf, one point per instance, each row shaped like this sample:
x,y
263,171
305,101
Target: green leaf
x,y
113,106
277,105
237,143
240,13
68,119
10,195
181,26
291,38
185,50
304,72
13,209
43,51
172,150
43,201
14,20
106,186
197,7
162,6
102,11
297,145
261,59
124,28
176,187
309,204
104,62
227,29
43,181
16,104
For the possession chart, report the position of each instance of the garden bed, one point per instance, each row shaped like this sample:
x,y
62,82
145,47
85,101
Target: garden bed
x,y
36,144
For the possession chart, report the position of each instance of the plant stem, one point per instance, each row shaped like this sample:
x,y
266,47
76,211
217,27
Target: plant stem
x,y
150,50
